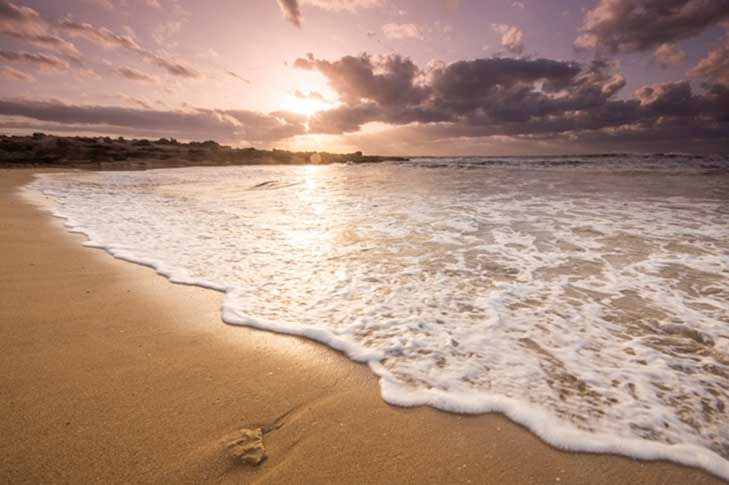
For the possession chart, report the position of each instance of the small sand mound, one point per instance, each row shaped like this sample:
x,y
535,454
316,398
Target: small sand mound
x,y
248,447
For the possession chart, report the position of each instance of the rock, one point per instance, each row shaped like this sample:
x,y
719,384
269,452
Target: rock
x,y
248,448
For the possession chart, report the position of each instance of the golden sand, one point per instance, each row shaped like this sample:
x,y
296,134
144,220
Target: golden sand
x,y
109,373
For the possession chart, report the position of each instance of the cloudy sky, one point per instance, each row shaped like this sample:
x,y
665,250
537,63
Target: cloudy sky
x,y
384,76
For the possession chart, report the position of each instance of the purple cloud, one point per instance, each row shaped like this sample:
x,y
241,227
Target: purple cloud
x,y
640,25
231,126
108,39
26,24
42,61
506,97
135,75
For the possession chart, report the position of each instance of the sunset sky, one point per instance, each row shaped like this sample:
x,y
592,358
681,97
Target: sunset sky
x,y
383,76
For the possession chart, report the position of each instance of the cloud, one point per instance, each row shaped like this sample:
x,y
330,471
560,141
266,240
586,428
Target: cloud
x,y
238,77
135,101
229,126
54,43
42,61
512,38
135,75
519,5
714,68
440,140
171,66
669,55
20,20
26,24
291,11
402,31
508,97
99,35
7,72
394,90
666,99
108,39
88,73
387,81
639,25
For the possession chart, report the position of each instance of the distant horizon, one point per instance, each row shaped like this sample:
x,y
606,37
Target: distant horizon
x,y
405,155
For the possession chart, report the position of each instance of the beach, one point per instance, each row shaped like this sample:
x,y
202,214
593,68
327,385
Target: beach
x,y
110,373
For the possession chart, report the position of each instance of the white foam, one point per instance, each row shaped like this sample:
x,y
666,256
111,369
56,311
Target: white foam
x,y
591,309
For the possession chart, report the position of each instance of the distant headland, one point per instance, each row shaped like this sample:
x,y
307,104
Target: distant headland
x,y
105,153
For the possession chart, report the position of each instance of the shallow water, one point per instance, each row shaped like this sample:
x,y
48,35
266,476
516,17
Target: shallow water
x,y
585,298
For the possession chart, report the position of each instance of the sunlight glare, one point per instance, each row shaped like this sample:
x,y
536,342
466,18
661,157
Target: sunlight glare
x,y
305,106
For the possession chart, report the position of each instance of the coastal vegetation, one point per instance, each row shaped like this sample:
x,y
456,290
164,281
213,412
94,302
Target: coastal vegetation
x,y
105,153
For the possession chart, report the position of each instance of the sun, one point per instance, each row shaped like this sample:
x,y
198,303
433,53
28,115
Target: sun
x,y
305,106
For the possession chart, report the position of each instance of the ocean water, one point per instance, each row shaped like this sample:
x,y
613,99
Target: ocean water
x,y
584,297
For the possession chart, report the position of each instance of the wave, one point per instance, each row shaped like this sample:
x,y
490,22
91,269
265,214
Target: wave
x,y
590,313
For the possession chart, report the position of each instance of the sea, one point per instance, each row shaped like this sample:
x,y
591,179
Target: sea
x,y
584,297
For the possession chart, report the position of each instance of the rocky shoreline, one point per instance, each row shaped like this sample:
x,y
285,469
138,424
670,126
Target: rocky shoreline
x,y
105,153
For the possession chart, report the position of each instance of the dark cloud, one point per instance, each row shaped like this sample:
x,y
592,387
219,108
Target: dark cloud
x,y
42,61
447,139
639,25
291,11
394,90
480,78
108,39
389,81
668,99
507,97
230,126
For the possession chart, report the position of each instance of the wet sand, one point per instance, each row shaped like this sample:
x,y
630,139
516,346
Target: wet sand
x,y
109,373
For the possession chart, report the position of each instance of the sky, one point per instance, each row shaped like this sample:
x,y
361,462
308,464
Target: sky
x,y
411,77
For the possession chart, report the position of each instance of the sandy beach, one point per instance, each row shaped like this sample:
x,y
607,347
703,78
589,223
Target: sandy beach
x,y
109,373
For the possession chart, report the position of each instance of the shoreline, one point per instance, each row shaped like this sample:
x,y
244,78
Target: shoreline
x,y
115,374
104,153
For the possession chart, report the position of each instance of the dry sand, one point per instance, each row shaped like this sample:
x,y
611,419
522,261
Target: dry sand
x,y
109,373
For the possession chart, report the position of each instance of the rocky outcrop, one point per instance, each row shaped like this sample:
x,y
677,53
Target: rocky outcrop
x,y
104,153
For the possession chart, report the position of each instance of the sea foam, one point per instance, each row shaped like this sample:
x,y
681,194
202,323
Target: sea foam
x,y
587,302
